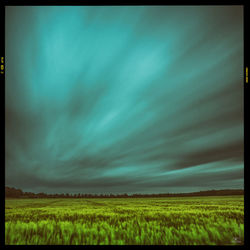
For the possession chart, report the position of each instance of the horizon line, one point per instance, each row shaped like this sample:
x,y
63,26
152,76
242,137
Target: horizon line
x,y
98,194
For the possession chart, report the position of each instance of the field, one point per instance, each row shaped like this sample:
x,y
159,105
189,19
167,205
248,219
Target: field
x,y
129,221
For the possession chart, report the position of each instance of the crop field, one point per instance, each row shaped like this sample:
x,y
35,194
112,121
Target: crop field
x,y
125,221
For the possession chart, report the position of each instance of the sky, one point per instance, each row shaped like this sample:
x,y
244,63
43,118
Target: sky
x,y
124,99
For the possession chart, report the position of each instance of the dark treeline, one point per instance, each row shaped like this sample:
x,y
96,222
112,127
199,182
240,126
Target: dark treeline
x,y
11,192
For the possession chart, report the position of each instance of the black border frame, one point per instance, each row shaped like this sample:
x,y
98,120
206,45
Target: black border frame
x,y
5,3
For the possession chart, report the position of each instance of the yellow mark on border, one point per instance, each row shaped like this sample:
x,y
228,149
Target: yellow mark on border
x,y
246,74
2,64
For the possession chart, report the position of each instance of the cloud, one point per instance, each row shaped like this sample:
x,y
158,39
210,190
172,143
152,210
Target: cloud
x,y
124,99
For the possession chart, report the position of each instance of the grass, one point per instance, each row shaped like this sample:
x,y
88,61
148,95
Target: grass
x,y
125,221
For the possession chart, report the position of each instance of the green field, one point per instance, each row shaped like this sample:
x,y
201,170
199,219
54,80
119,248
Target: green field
x,y
144,221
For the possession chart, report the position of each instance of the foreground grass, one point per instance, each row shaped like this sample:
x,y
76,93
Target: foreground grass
x,y
144,221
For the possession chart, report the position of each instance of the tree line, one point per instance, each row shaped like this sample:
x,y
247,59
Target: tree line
x,y
11,192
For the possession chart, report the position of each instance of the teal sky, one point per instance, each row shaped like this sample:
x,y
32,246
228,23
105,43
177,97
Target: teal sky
x,y
122,99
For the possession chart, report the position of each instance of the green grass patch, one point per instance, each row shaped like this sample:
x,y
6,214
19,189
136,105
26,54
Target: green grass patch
x,y
125,221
